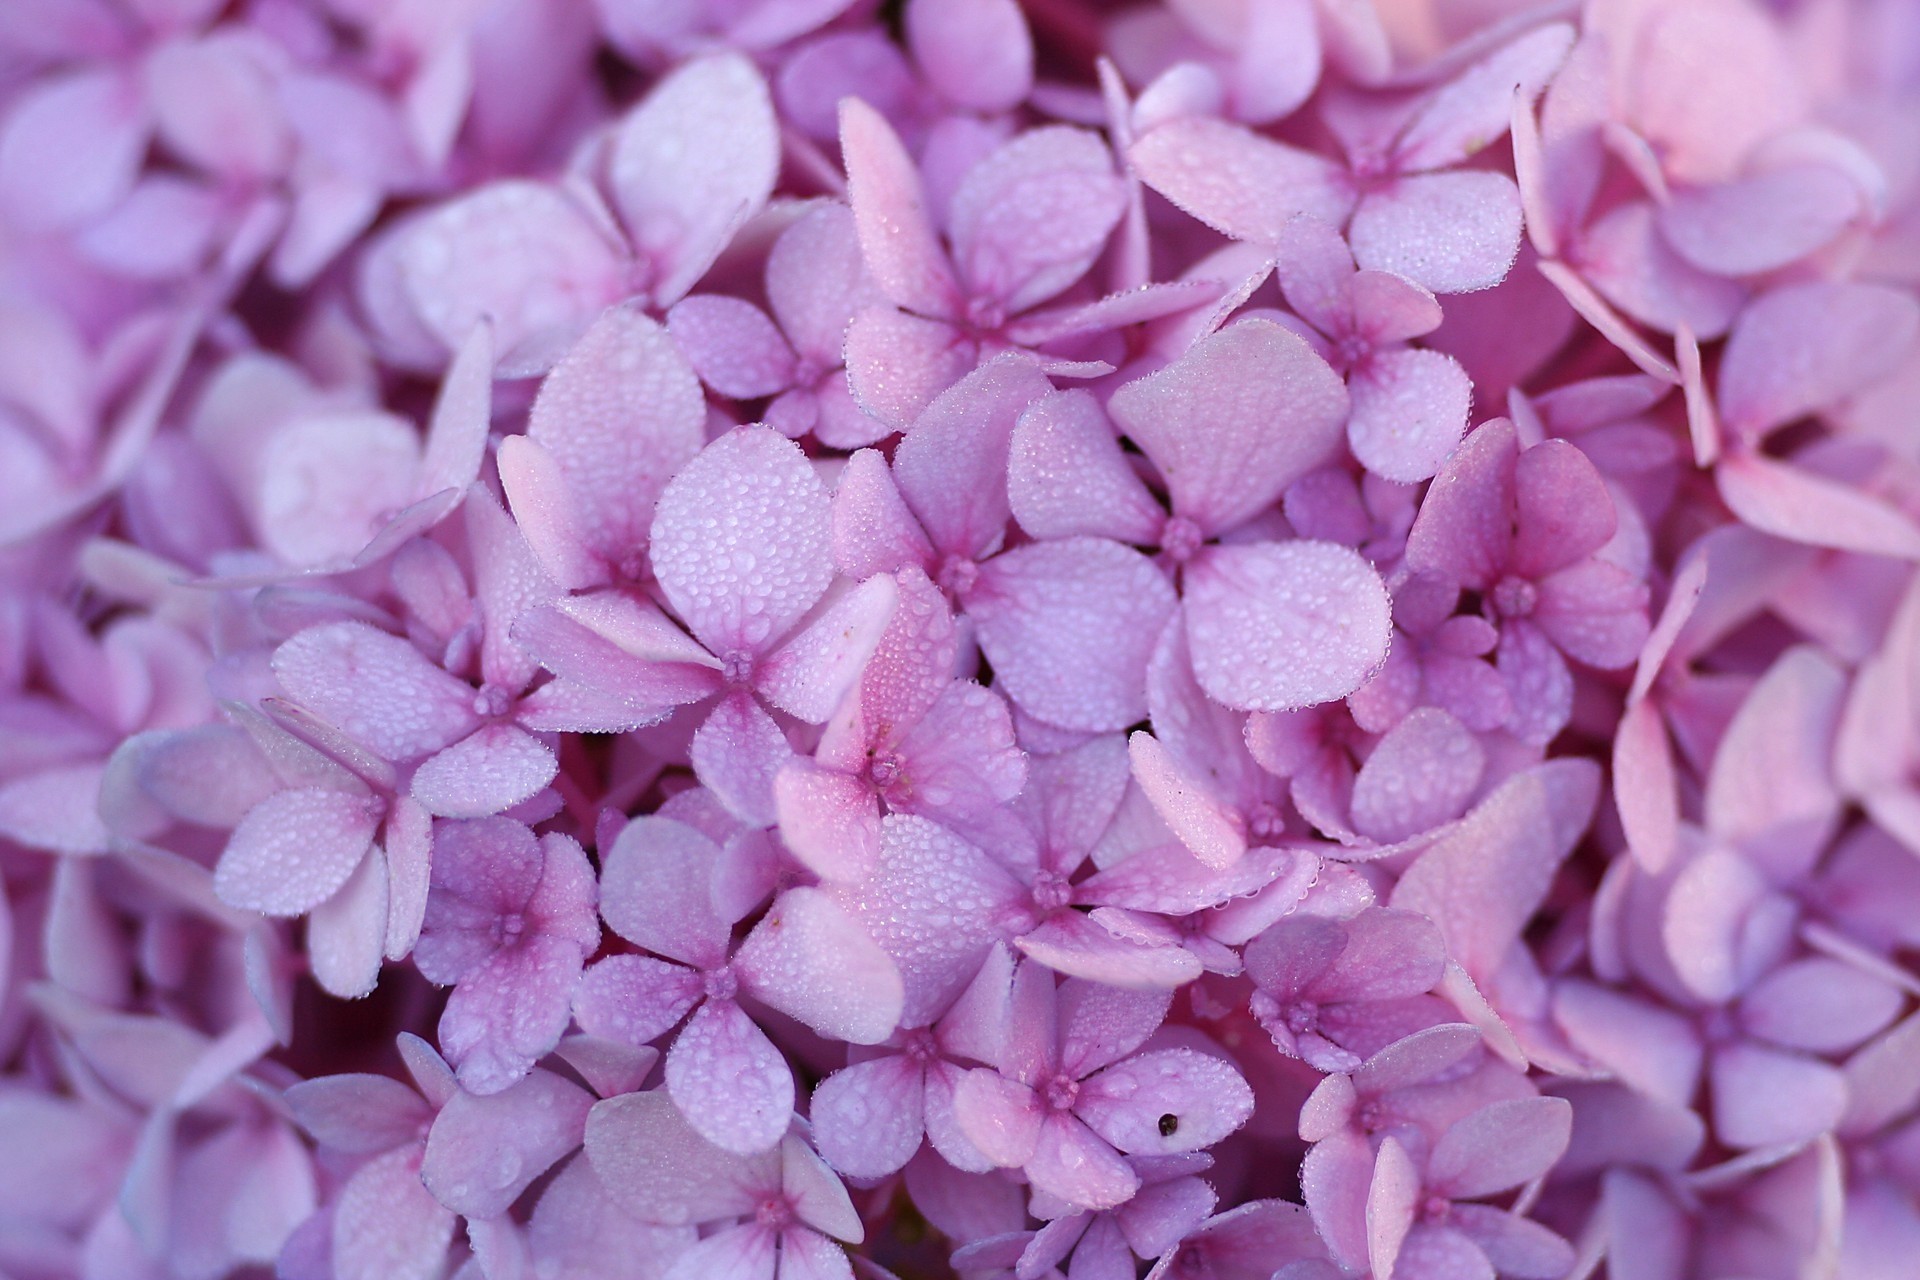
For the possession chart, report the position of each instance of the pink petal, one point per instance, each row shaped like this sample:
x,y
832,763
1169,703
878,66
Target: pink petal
x,y
1448,232
737,752
618,417
1202,821
328,481
294,850
1030,219
952,466
1442,1253
1820,1005
656,1166
1392,1205
817,281
1764,1098
1771,769
810,959
1069,626
1800,506
347,934
1421,774
1472,110
1128,1104
484,1151
71,147
692,162
518,253
1003,1119
873,532
867,1117
1801,347
1645,786
492,769
732,345
56,810
1761,223
1070,1161
1409,411
387,1225
1334,1180
729,1081
830,820
1079,946
977,54
742,583
1500,1146
656,891
889,209
376,688
510,1013
812,673
1515,1246
898,362
1208,421
1237,182
634,999
1654,1050
1626,258
1277,626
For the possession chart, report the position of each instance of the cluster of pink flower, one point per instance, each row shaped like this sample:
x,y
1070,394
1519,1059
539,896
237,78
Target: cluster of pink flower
x,y
719,639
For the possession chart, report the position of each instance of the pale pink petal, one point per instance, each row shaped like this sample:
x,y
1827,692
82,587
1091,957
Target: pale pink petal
x,y
737,752
898,362
492,769
1392,1205
1242,415
1334,1180
1624,256
1820,1005
1069,627
811,673
1499,1147
656,891
961,757
634,999
1203,822
1080,946
830,820
1030,219
977,54
1760,223
1772,766
746,1252
510,1012
693,161
810,959
1001,1118
1645,785
729,1081
1652,1049
387,1225
294,850
952,465
1421,774
1801,506
1237,182
376,688
655,1165
214,105
817,281
1801,347
1516,1246
873,532
1409,411
56,809
867,1117
518,253
1448,232
1442,1253
618,417
1128,1104
1472,110
732,345
1072,1162
1278,626
1763,1097
742,582
71,147
347,934
890,211
329,481
484,1151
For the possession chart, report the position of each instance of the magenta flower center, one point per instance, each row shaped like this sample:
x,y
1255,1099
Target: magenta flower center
x,y
957,576
775,1213
1061,1092
736,668
1302,1016
1051,892
1515,597
1180,538
492,701
720,984
986,315
507,928
885,770
1265,821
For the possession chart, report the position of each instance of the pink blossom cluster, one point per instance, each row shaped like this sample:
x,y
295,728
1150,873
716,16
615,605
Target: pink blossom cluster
x,y
1001,639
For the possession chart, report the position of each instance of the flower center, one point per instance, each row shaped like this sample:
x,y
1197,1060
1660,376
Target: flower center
x,y
1180,538
1051,892
920,1046
1061,1093
1265,821
507,929
986,314
957,575
491,701
884,769
1303,1016
720,984
737,667
1436,1209
1515,597
806,372
774,1213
